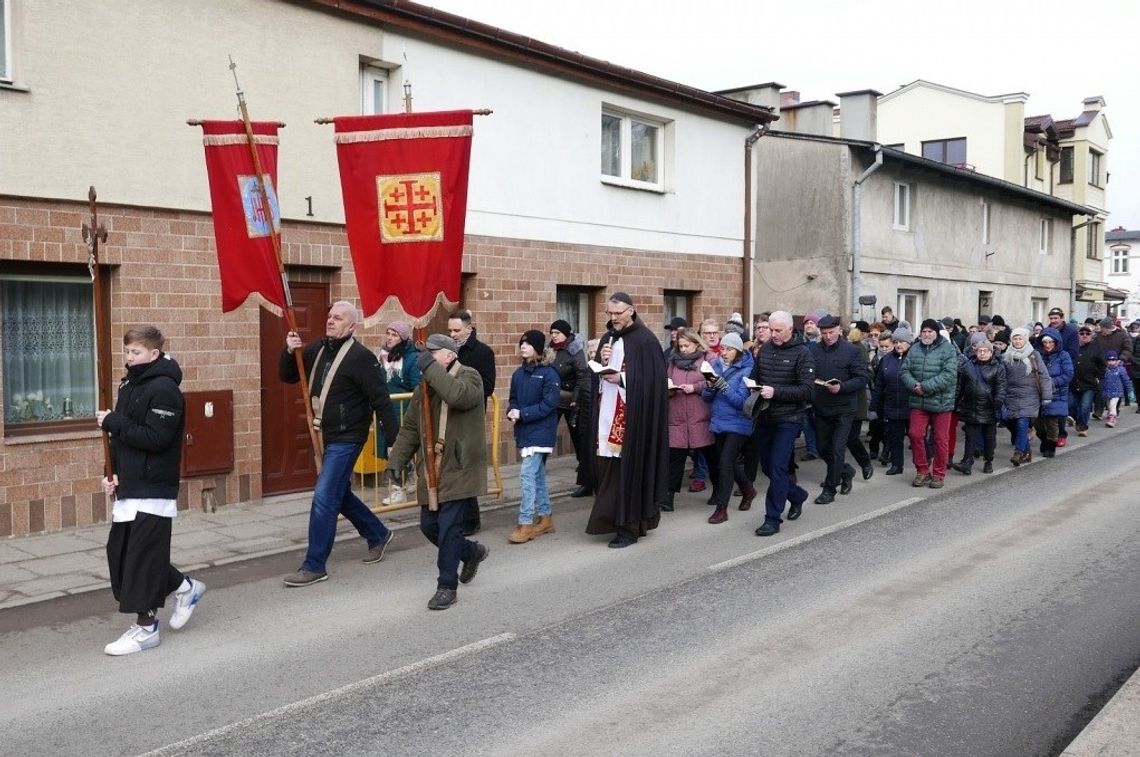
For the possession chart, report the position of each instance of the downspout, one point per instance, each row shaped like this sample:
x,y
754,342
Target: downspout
x,y
857,230
1073,263
746,285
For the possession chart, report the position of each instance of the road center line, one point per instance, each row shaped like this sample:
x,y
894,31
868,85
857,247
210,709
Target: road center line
x,y
805,538
415,667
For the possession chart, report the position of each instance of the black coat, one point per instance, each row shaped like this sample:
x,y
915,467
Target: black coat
x,y
358,390
475,354
573,374
146,431
1089,367
890,398
848,363
981,390
645,450
789,370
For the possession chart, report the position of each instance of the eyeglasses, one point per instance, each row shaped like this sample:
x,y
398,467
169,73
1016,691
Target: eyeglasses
x,y
613,314
710,333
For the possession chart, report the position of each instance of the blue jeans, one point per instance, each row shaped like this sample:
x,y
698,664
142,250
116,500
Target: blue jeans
x,y
444,528
700,465
1021,434
535,496
1081,401
333,496
776,443
810,444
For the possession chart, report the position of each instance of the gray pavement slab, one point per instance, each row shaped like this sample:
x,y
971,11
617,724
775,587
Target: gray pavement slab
x,y
75,562
11,553
55,544
53,584
13,574
1115,731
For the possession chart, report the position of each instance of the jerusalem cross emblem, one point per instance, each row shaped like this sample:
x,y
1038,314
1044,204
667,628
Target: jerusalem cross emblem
x,y
411,208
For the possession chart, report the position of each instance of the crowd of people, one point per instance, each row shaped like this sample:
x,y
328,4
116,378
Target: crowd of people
x,y
734,403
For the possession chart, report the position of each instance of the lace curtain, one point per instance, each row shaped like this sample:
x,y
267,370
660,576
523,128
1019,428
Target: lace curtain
x,y
47,332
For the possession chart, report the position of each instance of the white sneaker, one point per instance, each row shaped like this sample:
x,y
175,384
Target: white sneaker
x,y
136,639
395,496
185,602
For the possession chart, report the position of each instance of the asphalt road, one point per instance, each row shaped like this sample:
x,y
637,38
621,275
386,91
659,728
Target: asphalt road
x,y
992,618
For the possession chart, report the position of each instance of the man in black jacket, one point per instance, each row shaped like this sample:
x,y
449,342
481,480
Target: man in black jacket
x,y
146,450
477,355
346,386
785,371
840,374
1087,373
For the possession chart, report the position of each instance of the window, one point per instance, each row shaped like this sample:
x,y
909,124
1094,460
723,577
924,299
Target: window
x,y
373,90
1094,168
985,222
1093,241
575,306
985,302
1038,306
1038,164
1066,166
48,339
6,40
632,148
1120,259
902,207
1045,239
952,151
910,306
678,304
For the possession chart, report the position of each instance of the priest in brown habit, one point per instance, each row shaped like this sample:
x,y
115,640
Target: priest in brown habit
x,y
631,428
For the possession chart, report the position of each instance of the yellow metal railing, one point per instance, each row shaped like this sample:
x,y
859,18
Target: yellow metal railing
x,y
372,464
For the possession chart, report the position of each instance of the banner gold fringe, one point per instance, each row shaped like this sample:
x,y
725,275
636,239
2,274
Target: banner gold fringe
x,y
418,323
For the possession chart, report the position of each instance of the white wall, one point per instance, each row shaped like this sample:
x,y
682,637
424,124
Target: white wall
x,y
112,114
924,114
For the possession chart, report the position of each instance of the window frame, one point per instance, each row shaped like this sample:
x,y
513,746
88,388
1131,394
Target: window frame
x,y
100,354
1045,237
987,220
1038,307
1092,241
583,323
1120,255
626,119
1094,170
915,311
944,144
1065,166
6,39
902,189
369,77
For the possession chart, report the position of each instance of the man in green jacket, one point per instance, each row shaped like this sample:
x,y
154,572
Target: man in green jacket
x,y
930,373
460,443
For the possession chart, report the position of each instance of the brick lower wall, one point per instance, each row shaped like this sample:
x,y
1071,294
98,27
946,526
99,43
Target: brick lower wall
x,y
165,272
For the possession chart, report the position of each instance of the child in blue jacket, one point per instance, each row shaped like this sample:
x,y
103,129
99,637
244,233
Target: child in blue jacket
x,y
533,408
1116,384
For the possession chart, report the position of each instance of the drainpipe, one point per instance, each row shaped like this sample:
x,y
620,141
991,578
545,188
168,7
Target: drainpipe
x,y
1073,263
751,140
857,229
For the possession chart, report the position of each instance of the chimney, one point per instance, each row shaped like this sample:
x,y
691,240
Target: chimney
x,y
1096,102
859,114
790,97
812,117
766,95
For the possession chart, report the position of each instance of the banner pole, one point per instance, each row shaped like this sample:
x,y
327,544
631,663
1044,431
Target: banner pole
x,y
275,237
93,235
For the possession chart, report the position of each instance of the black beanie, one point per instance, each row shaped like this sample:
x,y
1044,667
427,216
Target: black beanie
x,y
1005,336
931,324
563,326
534,338
997,320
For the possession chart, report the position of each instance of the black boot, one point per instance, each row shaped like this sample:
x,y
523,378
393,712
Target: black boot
x,y
667,505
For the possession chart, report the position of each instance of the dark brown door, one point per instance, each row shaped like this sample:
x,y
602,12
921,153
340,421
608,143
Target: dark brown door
x,y
286,454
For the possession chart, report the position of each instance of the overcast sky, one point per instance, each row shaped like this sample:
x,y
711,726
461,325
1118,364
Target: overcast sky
x,y
1058,52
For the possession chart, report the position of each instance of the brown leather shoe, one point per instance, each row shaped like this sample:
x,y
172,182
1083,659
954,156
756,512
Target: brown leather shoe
x,y
544,525
523,533
749,495
720,515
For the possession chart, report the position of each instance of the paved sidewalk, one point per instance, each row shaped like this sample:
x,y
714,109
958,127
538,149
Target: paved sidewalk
x,y
1115,731
49,566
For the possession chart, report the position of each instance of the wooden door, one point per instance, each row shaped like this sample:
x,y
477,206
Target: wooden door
x,y
286,453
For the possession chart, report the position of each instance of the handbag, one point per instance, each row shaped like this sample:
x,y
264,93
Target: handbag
x,y
565,399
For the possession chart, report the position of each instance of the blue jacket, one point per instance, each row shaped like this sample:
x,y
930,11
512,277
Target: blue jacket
x,y
728,406
534,393
1060,367
1116,383
890,398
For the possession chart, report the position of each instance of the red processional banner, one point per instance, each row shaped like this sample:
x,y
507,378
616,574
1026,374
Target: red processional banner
x,y
243,225
404,182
